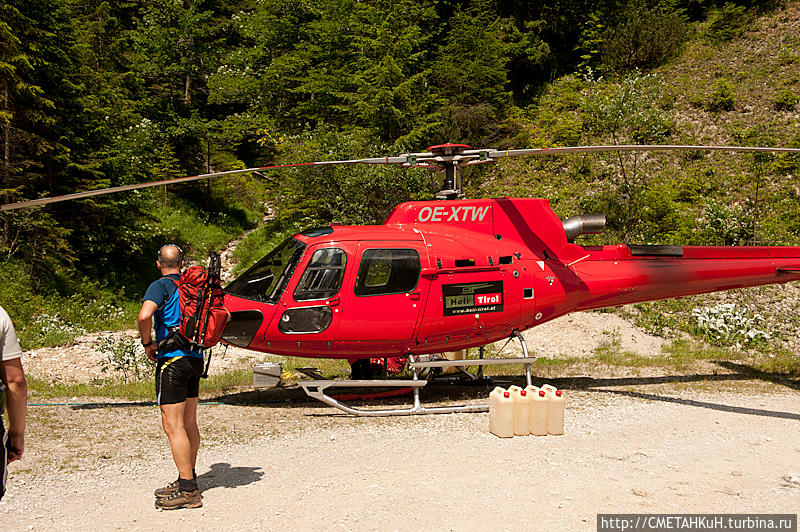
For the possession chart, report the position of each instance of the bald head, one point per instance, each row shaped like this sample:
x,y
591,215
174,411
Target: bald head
x,y
170,256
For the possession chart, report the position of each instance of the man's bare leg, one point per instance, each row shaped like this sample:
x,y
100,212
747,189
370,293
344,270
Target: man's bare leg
x,y
172,419
192,431
184,441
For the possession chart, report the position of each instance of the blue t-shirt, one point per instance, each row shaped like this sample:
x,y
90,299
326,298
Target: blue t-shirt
x,y
164,293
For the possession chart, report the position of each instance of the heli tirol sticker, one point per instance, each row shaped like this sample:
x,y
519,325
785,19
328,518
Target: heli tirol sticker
x,y
471,298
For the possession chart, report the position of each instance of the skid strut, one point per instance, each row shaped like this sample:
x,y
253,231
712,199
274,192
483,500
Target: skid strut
x,y
316,388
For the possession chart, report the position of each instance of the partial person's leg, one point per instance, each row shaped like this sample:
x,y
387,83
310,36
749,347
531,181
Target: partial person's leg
x,y
3,457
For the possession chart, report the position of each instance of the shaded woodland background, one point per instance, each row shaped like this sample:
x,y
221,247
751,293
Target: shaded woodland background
x,y
98,93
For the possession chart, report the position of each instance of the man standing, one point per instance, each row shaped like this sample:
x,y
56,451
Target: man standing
x,y
16,395
178,373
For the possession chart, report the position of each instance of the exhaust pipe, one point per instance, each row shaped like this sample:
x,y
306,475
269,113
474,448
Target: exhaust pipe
x,y
583,224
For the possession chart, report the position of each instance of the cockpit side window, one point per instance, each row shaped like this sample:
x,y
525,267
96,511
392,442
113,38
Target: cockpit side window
x,y
387,271
323,276
267,279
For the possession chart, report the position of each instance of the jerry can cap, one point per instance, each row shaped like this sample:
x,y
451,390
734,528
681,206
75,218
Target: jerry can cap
x,y
558,393
523,393
506,394
541,393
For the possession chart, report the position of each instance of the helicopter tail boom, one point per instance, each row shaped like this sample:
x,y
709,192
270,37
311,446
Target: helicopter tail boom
x,y
634,278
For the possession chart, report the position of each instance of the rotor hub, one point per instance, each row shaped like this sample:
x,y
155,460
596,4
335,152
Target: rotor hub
x,y
447,157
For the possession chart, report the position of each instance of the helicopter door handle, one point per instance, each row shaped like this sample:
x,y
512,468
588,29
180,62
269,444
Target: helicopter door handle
x,y
414,296
333,302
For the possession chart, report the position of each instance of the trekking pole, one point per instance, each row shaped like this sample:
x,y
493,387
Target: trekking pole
x,y
201,300
213,275
213,268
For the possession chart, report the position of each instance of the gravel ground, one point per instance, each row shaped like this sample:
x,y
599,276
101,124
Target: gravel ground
x,y
637,440
299,467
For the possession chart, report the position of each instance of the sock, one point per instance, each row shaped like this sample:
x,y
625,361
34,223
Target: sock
x,y
187,485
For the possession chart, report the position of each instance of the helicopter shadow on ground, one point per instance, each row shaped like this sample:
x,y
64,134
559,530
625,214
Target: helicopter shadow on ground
x,y
222,475
460,390
740,372
705,404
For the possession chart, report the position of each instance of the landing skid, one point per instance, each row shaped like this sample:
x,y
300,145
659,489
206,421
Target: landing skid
x,y
316,388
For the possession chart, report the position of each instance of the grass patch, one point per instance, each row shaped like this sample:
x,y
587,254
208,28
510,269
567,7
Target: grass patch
x,y
780,362
40,389
260,242
329,367
137,390
681,353
225,382
202,231
678,355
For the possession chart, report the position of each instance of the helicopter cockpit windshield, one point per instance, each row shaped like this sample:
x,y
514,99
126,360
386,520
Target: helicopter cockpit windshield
x,y
266,280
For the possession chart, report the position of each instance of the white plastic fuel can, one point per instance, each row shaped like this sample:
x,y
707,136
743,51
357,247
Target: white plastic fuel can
x,y
550,390
501,413
555,414
539,411
522,411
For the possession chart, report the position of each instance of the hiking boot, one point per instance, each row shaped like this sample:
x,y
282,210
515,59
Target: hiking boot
x,y
181,499
166,491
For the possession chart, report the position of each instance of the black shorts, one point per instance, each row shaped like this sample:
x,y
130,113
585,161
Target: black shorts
x,y
177,379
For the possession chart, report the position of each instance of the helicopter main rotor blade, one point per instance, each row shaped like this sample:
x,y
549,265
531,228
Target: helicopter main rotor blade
x,y
496,154
111,190
437,158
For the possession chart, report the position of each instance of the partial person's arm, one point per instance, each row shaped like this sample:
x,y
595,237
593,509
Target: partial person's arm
x,y
146,327
17,404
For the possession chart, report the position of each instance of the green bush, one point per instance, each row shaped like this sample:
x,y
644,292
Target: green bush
x,y
726,224
787,57
722,97
727,23
628,108
55,310
727,324
785,100
645,38
126,357
567,131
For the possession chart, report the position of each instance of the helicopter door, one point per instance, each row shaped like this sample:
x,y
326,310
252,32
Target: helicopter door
x,y
309,313
383,306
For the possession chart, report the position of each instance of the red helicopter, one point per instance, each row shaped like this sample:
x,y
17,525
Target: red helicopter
x,y
458,273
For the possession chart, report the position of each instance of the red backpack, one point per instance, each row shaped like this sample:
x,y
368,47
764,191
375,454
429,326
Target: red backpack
x,y
203,312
